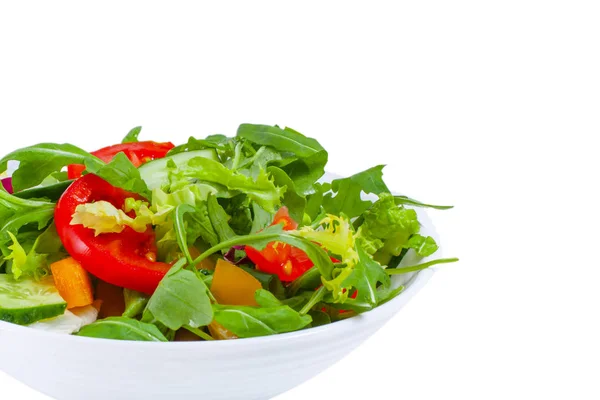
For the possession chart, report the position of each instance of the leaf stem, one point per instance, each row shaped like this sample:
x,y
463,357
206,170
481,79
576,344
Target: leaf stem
x,y
419,267
316,298
199,332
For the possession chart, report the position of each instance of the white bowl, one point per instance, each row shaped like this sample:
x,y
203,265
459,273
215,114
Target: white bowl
x,y
74,368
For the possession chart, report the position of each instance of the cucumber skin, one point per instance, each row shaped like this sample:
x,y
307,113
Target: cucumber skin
x,y
26,316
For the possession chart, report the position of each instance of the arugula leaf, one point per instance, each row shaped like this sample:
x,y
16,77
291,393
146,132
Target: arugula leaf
x,y
11,224
291,199
305,172
179,226
219,220
315,200
246,322
310,280
120,172
261,218
39,161
283,140
319,318
132,136
347,199
365,277
210,142
181,299
403,200
302,158
122,328
419,267
135,302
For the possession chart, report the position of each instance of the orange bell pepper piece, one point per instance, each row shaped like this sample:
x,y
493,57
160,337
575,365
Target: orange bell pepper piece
x,y
73,283
233,286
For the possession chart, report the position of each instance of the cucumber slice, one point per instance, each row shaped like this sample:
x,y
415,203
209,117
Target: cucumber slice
x,y
156,174
27,301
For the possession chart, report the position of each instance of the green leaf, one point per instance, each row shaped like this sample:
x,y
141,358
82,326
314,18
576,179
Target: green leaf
x,y
307,171
219,220
419,267
283,140
266,299
39,161
291,199
346,196
261,189
246,322
365,277
122,328
181,299
315,200
270,282
132,136
403,200
210,142
179,226
11,224
120,172
26,265
135,302
424,246
319,318
261,218
310,280
302,158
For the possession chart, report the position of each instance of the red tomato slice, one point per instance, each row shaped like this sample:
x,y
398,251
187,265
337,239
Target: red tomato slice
x,y
281,259
138,153
125,259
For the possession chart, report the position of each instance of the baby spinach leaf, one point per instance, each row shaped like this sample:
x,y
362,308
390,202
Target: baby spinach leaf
x,y
132,136
269,282
122,328
39,161
346,196
319,318
120,172
181,299
266,299
246,322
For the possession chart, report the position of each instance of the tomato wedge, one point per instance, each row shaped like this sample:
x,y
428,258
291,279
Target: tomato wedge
x,y
138,153
286,261
125,259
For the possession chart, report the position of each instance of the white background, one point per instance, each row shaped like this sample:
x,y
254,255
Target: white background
x,y
491,106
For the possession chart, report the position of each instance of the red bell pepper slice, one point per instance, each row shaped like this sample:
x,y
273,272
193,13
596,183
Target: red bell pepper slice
x,y
287,262
138,153
126,259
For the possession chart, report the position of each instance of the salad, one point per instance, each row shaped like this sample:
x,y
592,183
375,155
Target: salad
x,y
218,238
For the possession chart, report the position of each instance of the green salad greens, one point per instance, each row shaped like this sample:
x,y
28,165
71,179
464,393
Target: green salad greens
x,y
217,238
